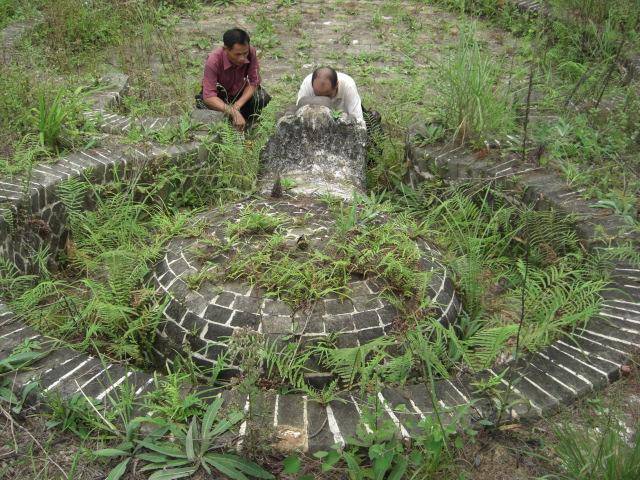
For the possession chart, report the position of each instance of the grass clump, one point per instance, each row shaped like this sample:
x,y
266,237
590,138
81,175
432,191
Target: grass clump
x,y
11,10
75,33
601,453
299,273
39,118
472,102
591,30
296,277
387,251
255,222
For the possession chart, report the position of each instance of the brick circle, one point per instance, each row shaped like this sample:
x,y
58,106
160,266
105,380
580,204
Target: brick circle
x,y
204,317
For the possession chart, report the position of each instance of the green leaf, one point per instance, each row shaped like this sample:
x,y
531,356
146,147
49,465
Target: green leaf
x,y
229,470
25,392
232,465
191,454
330,460
165,465
164,449
133,425
52,423
152,457
119,470
110,452
210,416
354,465
291,464
7,395
382,464
226,424
399,469
173,473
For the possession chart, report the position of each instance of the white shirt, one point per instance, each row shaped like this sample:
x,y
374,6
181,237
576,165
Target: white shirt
x,y
346,99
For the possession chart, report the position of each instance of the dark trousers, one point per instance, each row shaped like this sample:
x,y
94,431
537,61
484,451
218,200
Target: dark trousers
x,y
252,108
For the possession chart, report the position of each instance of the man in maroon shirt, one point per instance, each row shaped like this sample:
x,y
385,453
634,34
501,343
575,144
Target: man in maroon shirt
x,y
231,81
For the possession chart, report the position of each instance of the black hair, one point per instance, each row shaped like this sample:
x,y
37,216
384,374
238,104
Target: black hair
x,y
331,73
235,35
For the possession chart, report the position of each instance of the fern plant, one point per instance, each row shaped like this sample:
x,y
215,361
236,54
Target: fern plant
x,y
355,363
102,302
557,298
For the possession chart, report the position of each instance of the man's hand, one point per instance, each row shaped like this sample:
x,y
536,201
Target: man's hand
x,y
237,119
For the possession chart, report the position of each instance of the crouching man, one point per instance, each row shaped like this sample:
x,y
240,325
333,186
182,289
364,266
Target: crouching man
x,y
231,81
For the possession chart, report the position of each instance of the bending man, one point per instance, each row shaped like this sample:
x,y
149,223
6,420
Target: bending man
x,y
341,92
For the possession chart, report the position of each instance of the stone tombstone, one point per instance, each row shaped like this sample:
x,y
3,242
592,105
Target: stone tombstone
x,y
320,150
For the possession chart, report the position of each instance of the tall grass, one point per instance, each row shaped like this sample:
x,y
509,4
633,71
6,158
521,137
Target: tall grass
x,y
38,118
591,30
15,9
50,117
471,98
599,454
74,33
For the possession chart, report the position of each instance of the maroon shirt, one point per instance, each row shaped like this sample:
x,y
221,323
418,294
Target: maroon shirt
x,y
218,70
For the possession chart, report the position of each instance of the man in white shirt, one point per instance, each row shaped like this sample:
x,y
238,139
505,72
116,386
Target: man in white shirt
x,y
339,88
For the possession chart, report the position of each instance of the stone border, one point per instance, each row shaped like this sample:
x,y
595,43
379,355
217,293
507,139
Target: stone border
x,y
107,121
33,217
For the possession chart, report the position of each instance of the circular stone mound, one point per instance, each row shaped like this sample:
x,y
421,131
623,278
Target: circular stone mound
x,y
205,307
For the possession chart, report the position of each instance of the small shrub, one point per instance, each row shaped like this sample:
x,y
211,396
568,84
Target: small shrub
x,y
11,9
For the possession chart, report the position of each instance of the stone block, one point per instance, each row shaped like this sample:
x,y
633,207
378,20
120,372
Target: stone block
x,y
320,153
206,118
217,314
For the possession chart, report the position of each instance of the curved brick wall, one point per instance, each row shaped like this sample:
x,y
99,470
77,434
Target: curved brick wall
x,y
203,317
33,217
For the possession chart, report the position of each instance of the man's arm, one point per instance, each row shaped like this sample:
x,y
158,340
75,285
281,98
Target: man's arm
x,y
246,95
353,103
232,111
215,103
306,89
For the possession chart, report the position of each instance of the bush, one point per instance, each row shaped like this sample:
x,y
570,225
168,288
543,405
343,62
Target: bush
x,y
75,26
600,453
